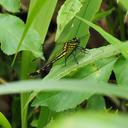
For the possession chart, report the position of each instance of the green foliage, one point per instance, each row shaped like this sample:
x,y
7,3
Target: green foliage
x,y
87,86
103,14
35,11
11,5
57,101
121,65
11,31
88,80
38,20
111,39
40,15
124,3
91,120
61,71
66,15
96,102
4,122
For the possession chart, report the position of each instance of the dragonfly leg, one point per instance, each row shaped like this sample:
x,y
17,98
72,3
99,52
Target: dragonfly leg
x,y
74,55
83,50
35,74
67,58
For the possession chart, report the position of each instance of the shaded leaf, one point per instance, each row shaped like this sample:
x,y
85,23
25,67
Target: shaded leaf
x,y
60,101
96,102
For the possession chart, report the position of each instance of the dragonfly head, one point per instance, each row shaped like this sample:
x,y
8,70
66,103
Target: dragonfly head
x,y
76,40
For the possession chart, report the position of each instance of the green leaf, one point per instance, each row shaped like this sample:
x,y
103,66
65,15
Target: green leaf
x,y
70,99
11,31
4,122
104,69
11,5
45,117
36,11
85,86
41,20
96,102
103,14
60,101
60,70
91,120
121,71
87,11
124,3
99,70
67,12
103,73
111,39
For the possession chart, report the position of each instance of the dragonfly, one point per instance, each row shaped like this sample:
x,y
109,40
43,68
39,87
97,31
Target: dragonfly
x,y
69,48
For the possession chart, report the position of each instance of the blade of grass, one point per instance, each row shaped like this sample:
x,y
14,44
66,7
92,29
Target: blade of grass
x,y
86,86
66,21
32,16
111,39
39,18
4,122
59,71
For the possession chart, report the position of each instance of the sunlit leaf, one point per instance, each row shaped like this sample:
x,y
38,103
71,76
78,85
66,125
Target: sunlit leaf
x,y
60,70
84,8
124,3
4,122
90,120
66,14
12,29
